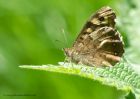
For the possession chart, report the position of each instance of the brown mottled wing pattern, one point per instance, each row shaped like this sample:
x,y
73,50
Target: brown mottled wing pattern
x,y
99,43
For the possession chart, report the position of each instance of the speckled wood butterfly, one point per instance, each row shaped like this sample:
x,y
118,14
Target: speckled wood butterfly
x,y
99,43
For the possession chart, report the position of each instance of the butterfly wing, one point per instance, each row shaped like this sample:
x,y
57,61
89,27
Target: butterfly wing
x,y
103,17
109,46
98,43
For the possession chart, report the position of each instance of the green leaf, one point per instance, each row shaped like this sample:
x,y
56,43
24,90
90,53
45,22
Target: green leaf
x,y
122,75
130,96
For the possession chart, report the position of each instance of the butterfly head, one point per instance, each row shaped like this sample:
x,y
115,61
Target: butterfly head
x,y
68,52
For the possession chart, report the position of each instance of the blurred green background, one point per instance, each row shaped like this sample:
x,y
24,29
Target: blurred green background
x,y
31,33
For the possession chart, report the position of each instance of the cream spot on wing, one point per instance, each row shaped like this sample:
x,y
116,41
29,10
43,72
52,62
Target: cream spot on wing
x,y
102,43
114,44
85,36
113,58
95,21
106,63
81,44
89,30
115,53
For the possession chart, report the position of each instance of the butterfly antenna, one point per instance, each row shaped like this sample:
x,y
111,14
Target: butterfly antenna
x,y
59,41
65,38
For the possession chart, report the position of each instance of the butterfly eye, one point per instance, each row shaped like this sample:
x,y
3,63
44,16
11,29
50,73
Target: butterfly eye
x,y
101,18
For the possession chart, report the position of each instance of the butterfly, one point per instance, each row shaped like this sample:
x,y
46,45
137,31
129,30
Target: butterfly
x,y
99,43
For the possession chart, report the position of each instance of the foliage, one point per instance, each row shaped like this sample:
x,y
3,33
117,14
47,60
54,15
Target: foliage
x,y
122,76
31,33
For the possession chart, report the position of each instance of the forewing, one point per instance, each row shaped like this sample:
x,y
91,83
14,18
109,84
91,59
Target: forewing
x,y
103,17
